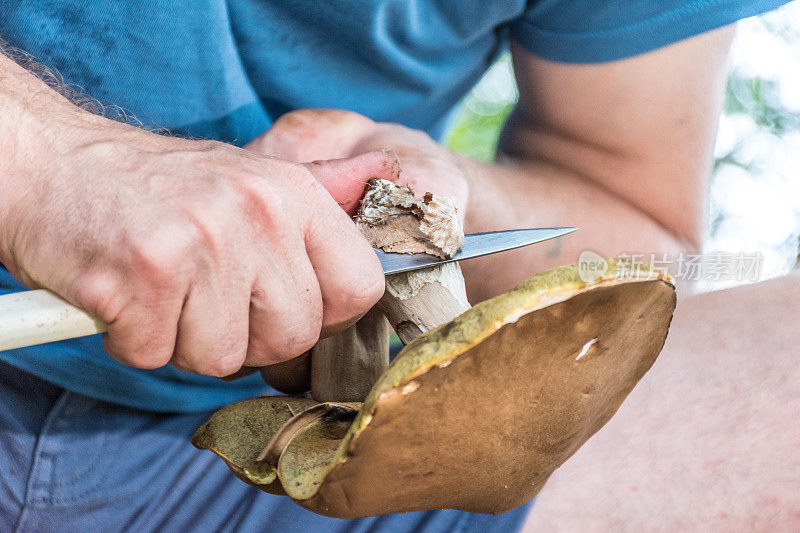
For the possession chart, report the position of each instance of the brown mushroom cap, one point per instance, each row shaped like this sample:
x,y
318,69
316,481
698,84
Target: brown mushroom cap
x,y
475,414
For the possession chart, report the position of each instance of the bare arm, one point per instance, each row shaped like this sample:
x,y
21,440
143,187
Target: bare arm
x,y
622,150
193,252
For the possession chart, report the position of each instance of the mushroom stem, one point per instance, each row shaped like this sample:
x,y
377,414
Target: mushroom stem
x,y
392,218
416,302
345,366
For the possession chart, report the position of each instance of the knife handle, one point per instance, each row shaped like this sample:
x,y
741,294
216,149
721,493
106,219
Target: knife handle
x,y
35,317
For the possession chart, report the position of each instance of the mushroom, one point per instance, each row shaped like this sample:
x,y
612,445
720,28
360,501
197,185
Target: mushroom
x,y
473,414
393,219
345,366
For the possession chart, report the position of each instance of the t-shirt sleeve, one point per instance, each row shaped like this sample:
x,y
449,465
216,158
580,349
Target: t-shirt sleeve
x,y
593,31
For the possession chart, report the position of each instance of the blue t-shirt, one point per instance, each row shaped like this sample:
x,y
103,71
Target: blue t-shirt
x,y
225,69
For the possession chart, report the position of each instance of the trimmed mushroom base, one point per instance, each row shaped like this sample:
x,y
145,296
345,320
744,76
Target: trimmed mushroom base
x,y
473,415
344,367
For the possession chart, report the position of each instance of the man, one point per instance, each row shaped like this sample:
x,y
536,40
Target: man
x,y
209,257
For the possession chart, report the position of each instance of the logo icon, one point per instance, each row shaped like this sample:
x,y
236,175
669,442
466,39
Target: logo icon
x,y
591,266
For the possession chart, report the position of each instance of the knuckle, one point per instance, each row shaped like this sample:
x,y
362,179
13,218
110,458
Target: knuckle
x,y
342,118
362,291
222,359
313,127
140,337
151,360
294,120
312,119
146,357
301,342
417,136
303,333
99,293
292,341
262,203
288,133
222,365
159,255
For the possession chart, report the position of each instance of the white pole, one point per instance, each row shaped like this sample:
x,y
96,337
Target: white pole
x,y
36,317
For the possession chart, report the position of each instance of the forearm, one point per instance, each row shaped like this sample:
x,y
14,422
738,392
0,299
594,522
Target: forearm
x,y
38,127
33,112
21,94
620,149
518,194
35,125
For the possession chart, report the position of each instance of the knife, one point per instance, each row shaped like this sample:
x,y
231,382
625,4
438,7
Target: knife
x,y
475,245
35,317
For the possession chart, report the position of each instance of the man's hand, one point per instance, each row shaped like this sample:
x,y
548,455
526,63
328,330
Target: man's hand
x,y
195,253
310,134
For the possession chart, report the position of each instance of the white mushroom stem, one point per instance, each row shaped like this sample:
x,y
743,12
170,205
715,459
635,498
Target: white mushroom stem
x,y
416,302
345,366
393,219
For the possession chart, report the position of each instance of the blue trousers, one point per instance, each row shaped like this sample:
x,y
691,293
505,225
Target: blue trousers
x,y
72,463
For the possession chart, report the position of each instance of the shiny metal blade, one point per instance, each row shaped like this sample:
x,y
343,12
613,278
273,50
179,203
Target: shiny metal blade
x,y
475,245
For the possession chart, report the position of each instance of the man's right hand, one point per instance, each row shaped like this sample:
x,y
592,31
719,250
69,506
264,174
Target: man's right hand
x,y
195,253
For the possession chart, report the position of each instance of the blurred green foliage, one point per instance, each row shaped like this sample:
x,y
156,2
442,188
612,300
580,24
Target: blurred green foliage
x,y
476,135
760,100
484,111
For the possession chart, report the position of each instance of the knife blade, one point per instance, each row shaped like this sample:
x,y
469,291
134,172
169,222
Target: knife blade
x,y
475,245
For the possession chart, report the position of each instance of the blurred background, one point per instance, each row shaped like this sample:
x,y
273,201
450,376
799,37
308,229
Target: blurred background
x,y
755,189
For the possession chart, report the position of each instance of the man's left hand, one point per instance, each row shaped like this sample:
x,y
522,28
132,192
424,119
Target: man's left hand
x,y
316,134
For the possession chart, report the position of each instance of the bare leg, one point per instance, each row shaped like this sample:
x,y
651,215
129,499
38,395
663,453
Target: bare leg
x,y
710,439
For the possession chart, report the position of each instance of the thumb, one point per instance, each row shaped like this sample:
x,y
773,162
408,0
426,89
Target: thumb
x,y
346,179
